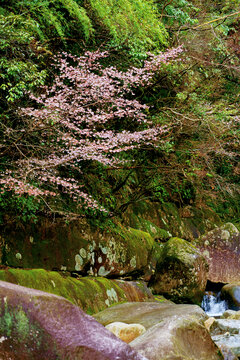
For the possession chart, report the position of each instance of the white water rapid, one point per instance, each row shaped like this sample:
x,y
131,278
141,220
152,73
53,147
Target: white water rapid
x,y
213,305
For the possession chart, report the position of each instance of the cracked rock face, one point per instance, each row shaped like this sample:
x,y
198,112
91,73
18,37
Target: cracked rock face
x,y
37,325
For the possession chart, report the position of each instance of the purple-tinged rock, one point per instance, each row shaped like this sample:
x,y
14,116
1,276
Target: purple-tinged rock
x,y
37,325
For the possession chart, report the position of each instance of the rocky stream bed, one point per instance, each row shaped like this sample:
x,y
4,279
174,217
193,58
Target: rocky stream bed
x,y
138,298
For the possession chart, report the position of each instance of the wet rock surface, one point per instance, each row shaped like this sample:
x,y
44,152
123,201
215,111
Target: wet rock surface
x,y
230,343
231,293
36,325
223,326
231,314
181,272
147,314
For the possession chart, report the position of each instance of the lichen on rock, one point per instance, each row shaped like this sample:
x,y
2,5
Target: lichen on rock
x,y
181,272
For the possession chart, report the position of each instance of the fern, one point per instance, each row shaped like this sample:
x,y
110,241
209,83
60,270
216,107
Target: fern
x,y
131,23
53,21
75,11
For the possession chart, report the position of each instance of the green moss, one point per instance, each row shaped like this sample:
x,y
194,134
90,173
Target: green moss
x,y
181,249
161,299
137,242
91,294
22,324
145,225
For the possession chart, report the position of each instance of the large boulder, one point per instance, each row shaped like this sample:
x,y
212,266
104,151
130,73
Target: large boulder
x,y
181,272
221,247
231,293
91,294
148,314
76,247
174,332
186,222
174,339
37,325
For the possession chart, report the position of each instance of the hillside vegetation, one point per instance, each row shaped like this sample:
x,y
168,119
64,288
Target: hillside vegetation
x,y
106,103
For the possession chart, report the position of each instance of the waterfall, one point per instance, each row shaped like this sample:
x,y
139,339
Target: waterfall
x,y
213,305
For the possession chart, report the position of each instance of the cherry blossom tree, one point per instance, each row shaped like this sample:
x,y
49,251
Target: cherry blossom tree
x,y
81,117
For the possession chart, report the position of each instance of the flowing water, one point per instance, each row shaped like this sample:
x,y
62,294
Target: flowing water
x,y
213,305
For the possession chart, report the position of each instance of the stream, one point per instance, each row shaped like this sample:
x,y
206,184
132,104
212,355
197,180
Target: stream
x,y
213,305
226,332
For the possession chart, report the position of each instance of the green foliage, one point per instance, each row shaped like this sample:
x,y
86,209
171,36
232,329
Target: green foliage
x,y
131,23
197,99
178,12
52,17
22,208
18,72
230,5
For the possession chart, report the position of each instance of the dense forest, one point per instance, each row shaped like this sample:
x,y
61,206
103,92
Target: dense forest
x,y
105,103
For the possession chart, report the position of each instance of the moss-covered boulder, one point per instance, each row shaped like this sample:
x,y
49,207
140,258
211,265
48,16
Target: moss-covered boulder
x,y
181,272
37,325
221,247
76,247
174,332
90,294
165,220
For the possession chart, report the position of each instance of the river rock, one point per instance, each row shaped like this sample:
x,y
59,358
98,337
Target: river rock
x,y
209,322
90,294
225,333
231,293
221,247
174,332
174,339
229,344
147,314
231,314
37,325
126,332
181,272
227,352
76,247
225,326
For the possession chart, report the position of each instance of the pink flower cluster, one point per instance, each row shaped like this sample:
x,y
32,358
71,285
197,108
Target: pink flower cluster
x,y
75,120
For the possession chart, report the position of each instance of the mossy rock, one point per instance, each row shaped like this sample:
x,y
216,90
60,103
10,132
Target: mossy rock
x,y
188,222
76,247
91,294
181,272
